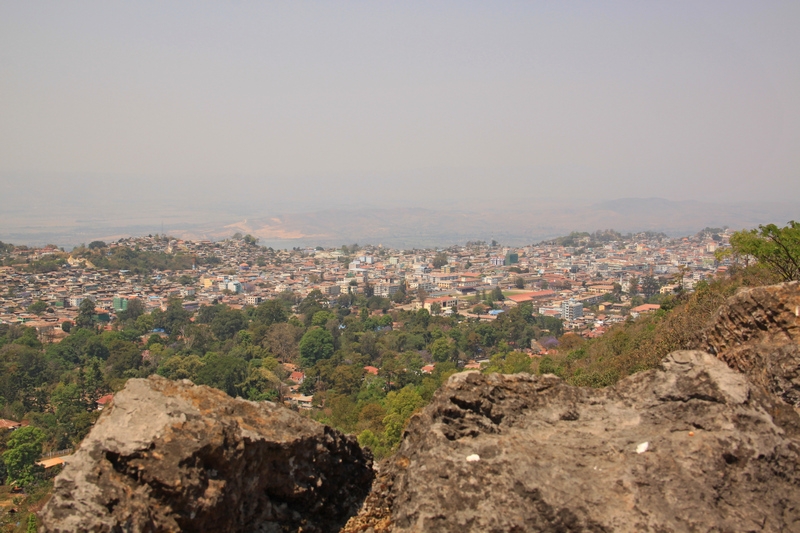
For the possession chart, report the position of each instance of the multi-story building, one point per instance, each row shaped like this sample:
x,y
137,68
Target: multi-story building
x,y
385,289
570,310
252,299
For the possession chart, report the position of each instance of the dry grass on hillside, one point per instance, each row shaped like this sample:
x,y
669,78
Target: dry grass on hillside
x,y
641,344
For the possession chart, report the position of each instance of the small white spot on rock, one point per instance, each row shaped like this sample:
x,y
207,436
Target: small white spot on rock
x,y
642,447
474,458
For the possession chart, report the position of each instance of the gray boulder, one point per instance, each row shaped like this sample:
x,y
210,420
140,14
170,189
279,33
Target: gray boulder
x,y
693,446
171,456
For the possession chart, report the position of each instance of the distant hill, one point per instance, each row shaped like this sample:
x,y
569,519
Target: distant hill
x,y
407,227
519,221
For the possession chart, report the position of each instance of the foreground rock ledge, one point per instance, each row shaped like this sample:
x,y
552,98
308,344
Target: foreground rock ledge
x,y
757,332
171,456
693,446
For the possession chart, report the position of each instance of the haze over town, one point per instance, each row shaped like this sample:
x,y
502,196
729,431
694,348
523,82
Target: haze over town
x,y
322,124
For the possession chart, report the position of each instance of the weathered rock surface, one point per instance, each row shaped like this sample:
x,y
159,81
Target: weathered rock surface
x,y
693,446
757,332
171,456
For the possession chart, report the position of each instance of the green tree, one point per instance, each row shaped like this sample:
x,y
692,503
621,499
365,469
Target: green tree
x,y
316,344
227,323
122,356
85,318
31,523
94,347
262,384
444,349
321,318
509,363
497,294
135,310
223,372
440,260
422,295
312,303
400,405
24,449
173,318
650,286
519,282
181,367
28,338
282,341
38,307
207,313
145,323
67,398
400,295
776,248
271,312
616,290
347,379
633,286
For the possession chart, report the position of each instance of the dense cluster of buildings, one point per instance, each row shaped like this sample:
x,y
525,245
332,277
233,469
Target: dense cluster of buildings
x,y
587,284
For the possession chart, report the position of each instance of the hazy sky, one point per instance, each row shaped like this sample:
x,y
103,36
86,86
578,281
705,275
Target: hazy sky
x,y
406,102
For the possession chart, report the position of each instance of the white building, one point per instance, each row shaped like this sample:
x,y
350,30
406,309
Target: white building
x,y
570,310
385,289
252,300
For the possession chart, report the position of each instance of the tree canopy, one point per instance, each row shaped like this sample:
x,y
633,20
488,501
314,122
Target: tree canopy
x,y
24,449
315,345
778,249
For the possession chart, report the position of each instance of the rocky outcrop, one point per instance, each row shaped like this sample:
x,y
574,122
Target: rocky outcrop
x,y
171,456
757,332
693,446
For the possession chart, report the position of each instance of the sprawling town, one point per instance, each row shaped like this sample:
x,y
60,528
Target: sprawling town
x,y
586,282
358,337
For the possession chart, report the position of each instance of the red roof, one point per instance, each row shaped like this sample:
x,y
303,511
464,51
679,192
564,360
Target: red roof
x,y
528,296
8,424
645,307
371,370
105,399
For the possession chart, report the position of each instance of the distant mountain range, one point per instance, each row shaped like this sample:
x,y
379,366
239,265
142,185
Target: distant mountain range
x,y
520,221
